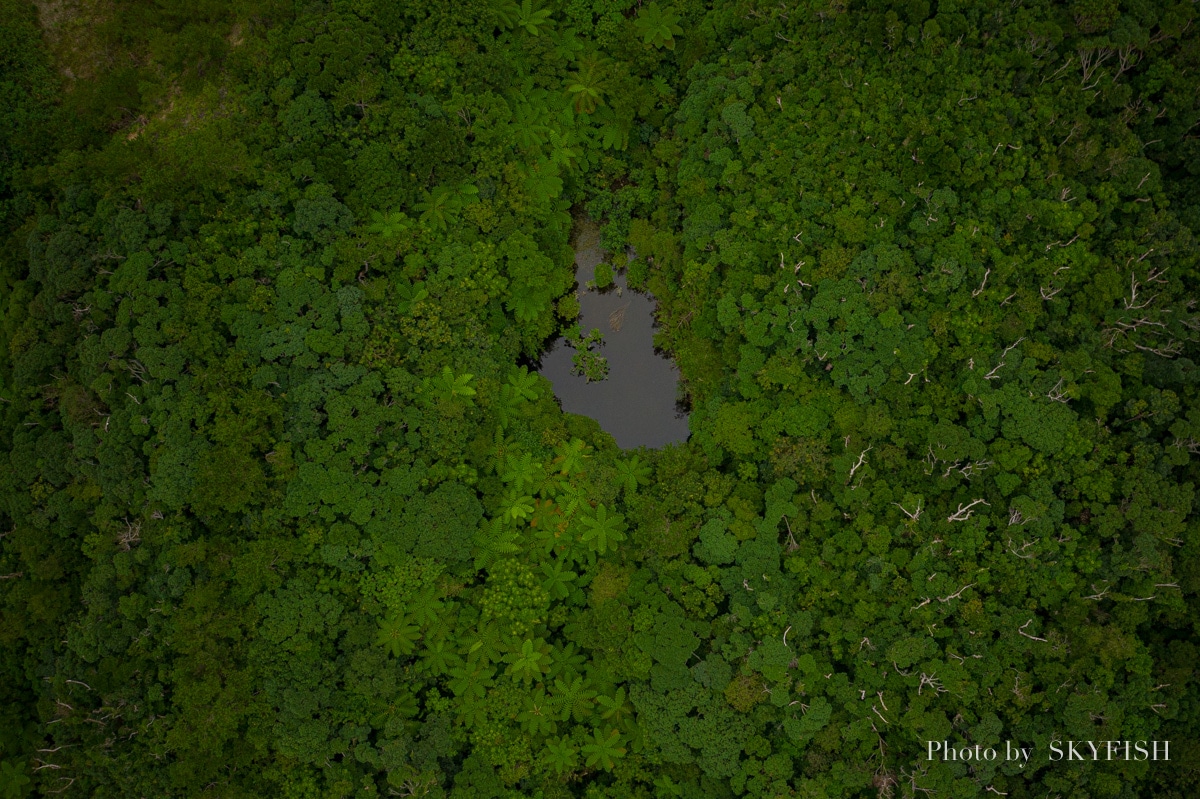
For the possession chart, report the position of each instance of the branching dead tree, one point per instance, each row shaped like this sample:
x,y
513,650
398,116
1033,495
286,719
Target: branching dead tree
x,y
964,511
920,770
131,535
1090,61
1021,630
992,374
968,470
1020,552
862,458
983,283
932,682
956,595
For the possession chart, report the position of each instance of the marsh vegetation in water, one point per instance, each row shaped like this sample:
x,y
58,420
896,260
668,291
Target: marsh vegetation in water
x,y
615,376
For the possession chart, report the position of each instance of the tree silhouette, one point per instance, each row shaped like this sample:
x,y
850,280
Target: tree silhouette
x,y
388,225
525,15
668,787
604,750
13,780
495,540
522,471
448,387
440,656
632,473
529,663
526,384
518,506
559,579
587,85
658,27
536,715
570,456
471,680
409,294
602,531
397,636
565,150
616,709
561,755
441,206
572,698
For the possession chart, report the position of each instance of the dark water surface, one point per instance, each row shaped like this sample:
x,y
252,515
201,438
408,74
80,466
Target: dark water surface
x,y
635,404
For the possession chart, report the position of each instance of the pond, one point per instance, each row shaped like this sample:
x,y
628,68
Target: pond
x,y
636,403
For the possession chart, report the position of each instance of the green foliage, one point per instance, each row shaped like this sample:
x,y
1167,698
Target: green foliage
x,y
389,225
603,275
602,531
561,755
14,783
441,207
397,636
604,750
515,597
448,387
282,513
716,545
591,365
525,15
528,664
657,26
802,729
395,589
632,472
572,698
26,96
588,84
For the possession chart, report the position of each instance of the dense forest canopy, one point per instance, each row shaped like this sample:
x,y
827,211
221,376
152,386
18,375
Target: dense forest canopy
x,y
285,510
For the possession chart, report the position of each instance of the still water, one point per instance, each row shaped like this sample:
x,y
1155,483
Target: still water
x,y
635,404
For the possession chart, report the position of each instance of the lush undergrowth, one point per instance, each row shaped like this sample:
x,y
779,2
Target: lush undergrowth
x,y
283,516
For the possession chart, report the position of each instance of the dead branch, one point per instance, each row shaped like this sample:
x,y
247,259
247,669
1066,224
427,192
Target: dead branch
x,y
862,457
1091,60
992,374
932,681
1021,552
979,290
957,594
964,512
1021,630
1066,65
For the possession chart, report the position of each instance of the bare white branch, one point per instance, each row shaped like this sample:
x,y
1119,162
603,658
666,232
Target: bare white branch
x,y
1027,635
964,511
956,595
862,458
979,290
1020,553
932,681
